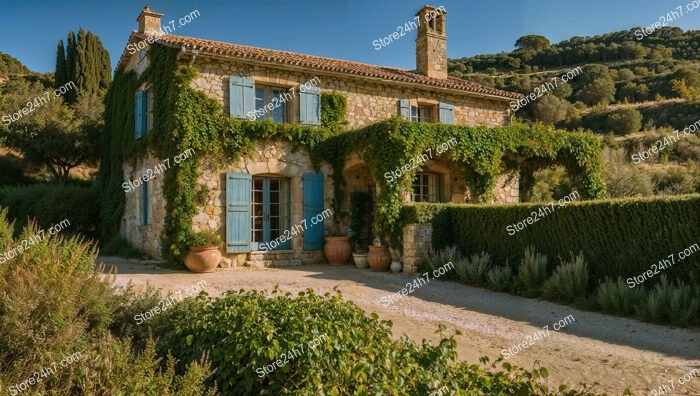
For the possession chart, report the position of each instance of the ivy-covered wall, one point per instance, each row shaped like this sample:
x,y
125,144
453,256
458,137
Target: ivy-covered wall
x,y
186,116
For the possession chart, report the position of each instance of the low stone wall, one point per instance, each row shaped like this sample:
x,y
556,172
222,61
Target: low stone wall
x,y
417,240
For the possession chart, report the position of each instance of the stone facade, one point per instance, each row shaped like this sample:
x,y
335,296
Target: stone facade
x,y
431,42
144,236
417,240
367,101
267,158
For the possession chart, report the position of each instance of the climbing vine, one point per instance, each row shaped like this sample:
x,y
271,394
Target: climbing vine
x,y
184,118
482,154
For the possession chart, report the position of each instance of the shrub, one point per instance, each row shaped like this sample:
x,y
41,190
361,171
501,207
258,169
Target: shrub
x,y
670,302
532,271
475,269
50,204
331,347
437,258
204,239
569,282
53,304
616,297
624,121
500,278
620,237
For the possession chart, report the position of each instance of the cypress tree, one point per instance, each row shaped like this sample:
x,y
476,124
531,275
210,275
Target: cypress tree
x,y
71,56
81,72
60,74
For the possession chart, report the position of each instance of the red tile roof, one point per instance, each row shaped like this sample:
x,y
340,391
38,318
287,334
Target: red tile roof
x,y
320,63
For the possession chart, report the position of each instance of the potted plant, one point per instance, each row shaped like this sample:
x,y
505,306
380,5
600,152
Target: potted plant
x,y
359,221
337,248
204,254
379,257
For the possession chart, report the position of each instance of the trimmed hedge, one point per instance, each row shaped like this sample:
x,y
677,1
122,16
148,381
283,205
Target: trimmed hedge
x,y
617,237
50,204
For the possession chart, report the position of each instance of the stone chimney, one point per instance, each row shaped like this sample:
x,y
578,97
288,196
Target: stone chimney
x,y
431,43
149,21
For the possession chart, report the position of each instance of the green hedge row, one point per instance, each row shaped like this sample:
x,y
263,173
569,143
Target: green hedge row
x,y
50,204
617,237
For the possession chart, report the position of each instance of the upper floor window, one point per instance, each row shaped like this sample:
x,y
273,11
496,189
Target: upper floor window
x,y
271,103
420,114
426,187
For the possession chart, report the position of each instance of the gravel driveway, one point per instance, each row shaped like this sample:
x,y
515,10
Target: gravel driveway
x,y
588,347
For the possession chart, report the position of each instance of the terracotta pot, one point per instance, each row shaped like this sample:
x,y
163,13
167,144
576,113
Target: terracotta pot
x,y
337,250
360,260
396,266
202,259
379,258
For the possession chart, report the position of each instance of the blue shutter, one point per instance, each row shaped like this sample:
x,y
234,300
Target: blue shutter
x,y
313,205
138,114
238,212
447,113
144,112
405,109
241,96
146,213
310,105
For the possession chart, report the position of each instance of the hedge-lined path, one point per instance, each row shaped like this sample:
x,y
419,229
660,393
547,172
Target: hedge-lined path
x,y
615,352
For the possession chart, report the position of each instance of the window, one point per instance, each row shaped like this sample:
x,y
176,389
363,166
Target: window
x,y
426,187
149,109
420,114
269,96
145,205
270,211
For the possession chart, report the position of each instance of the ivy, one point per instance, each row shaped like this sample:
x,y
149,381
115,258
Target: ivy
x,y
481,153
184,118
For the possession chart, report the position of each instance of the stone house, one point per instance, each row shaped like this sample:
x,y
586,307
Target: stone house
x,y
273,188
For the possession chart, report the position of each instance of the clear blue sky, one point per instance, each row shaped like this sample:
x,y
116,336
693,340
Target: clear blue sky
x,y
30,29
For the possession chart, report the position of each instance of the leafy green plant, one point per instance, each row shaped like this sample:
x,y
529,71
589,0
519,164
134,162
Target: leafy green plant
x,y
500,278
474,270
340,351
54,303
205,239
569,282
437,258
532,271
616,297
670,302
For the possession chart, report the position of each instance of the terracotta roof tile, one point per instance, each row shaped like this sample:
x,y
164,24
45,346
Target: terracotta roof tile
x,y
321,63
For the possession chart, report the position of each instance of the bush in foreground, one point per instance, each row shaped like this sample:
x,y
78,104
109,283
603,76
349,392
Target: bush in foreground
x,y
56,308
280,344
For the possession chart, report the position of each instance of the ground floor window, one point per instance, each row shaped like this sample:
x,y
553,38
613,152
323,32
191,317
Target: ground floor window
x,y
426,187
270,210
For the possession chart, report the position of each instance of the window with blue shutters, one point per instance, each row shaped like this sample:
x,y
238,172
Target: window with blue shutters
x,y
309,105
238,212
241,97
447,113
313,206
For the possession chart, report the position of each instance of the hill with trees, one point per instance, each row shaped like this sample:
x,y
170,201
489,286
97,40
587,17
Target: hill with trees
x,y
629,88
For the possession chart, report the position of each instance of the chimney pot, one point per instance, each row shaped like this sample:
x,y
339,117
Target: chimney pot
x,y
149,21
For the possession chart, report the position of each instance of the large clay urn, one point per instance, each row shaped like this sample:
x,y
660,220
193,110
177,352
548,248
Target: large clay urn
x,y
202,259
337,250
379,258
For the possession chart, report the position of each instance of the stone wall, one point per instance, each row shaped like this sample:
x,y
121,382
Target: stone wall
x,y
368,100
267,158
145,237
417,240
507,188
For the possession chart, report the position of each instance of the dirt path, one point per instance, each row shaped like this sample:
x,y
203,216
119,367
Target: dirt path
x,y
616,352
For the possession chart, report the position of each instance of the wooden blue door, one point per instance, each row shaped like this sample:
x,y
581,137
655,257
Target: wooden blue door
x,y
313,206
